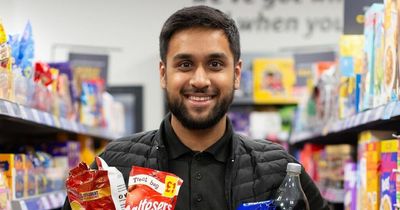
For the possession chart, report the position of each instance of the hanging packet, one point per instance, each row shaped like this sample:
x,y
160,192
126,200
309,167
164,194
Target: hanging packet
x,y
96,189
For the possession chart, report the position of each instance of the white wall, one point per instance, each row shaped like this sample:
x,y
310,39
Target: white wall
x,y
130,28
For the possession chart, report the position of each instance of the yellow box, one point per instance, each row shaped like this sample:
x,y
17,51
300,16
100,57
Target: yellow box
x,y
373,175
14,170
274,79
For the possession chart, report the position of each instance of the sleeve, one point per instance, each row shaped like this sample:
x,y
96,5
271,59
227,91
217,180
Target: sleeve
x,y
66,205
315,199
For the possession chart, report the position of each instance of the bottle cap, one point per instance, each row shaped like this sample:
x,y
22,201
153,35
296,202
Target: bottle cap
x,y
293,167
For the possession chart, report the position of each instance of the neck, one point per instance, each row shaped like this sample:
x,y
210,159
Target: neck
x,y
198,139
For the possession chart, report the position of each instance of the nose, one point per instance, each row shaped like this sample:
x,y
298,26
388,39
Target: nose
x,y
200,78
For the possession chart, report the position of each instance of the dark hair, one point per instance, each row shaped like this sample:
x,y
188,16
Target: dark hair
x,y
200,16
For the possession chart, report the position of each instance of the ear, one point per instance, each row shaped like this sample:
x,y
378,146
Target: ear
x,y
237,72
163,72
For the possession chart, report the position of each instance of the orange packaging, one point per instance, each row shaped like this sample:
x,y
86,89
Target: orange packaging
x,y
373,175
151,189
96,189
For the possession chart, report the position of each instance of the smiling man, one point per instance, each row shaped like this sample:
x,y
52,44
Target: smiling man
x,y
199,71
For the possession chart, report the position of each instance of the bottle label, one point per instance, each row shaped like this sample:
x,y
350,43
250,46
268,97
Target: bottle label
x,y
261,205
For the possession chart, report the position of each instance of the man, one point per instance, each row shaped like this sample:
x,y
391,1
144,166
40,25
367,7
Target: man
x,y
199,70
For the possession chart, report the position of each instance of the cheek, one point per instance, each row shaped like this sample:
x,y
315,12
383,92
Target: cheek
x,y
176,82
224,82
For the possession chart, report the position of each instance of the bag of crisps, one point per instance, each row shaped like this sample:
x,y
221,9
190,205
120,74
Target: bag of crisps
x,y
149,189
96,189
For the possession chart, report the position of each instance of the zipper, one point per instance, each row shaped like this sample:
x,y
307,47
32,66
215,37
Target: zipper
x,y
228,184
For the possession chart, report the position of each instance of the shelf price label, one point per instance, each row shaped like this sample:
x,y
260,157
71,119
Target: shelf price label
x,y
35,115
377,113
387,114
82,128
68,125
3,109
60,197
75,126
22,110
45,202
352,121
10,109
396,110
366,115
22,205
55,203
64,124
358,119
47,119
56,121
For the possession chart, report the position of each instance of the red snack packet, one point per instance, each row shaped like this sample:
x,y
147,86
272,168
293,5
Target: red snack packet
x,y
149,189
43,73
96,189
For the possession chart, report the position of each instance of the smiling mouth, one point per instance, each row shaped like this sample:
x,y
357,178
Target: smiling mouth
x,y
199,98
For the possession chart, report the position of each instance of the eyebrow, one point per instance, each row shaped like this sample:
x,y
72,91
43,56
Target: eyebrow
x,y
218,55
183,56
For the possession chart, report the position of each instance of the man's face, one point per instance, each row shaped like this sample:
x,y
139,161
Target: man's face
x,y
199,76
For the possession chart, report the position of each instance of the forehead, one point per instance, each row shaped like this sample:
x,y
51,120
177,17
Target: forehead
x,y
199,40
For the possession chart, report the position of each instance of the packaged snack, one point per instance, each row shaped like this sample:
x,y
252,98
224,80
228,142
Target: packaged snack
x,y
26,52
4,193
350,188
13,166
6,77
43,74
66,90
96,189
152,189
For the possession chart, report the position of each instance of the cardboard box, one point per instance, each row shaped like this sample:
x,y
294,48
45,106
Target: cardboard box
x,y
368,80
389,154
274,79
13,166
390,83
373,175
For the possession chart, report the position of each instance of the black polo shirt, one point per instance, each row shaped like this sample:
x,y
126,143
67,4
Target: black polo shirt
x,y
203,173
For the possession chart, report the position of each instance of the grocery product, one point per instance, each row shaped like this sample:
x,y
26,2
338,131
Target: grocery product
x,y
389,150
96,189
13,166
152,189
367,91
6,77
389,58
290,194
274,79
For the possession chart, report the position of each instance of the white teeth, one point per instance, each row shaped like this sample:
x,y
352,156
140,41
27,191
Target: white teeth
x,y
197,98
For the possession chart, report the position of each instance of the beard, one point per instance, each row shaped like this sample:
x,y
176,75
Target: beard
x,y
181,112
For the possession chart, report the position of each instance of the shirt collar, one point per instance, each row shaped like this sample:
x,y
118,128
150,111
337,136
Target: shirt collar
x,y
219,150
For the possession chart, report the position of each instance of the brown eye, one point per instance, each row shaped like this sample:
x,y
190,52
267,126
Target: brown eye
x,y
185,66
216,65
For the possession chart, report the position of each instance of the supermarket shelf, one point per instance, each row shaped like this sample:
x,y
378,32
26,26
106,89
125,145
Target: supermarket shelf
x,y
50,200
247,101
384,117
334,195
22,114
